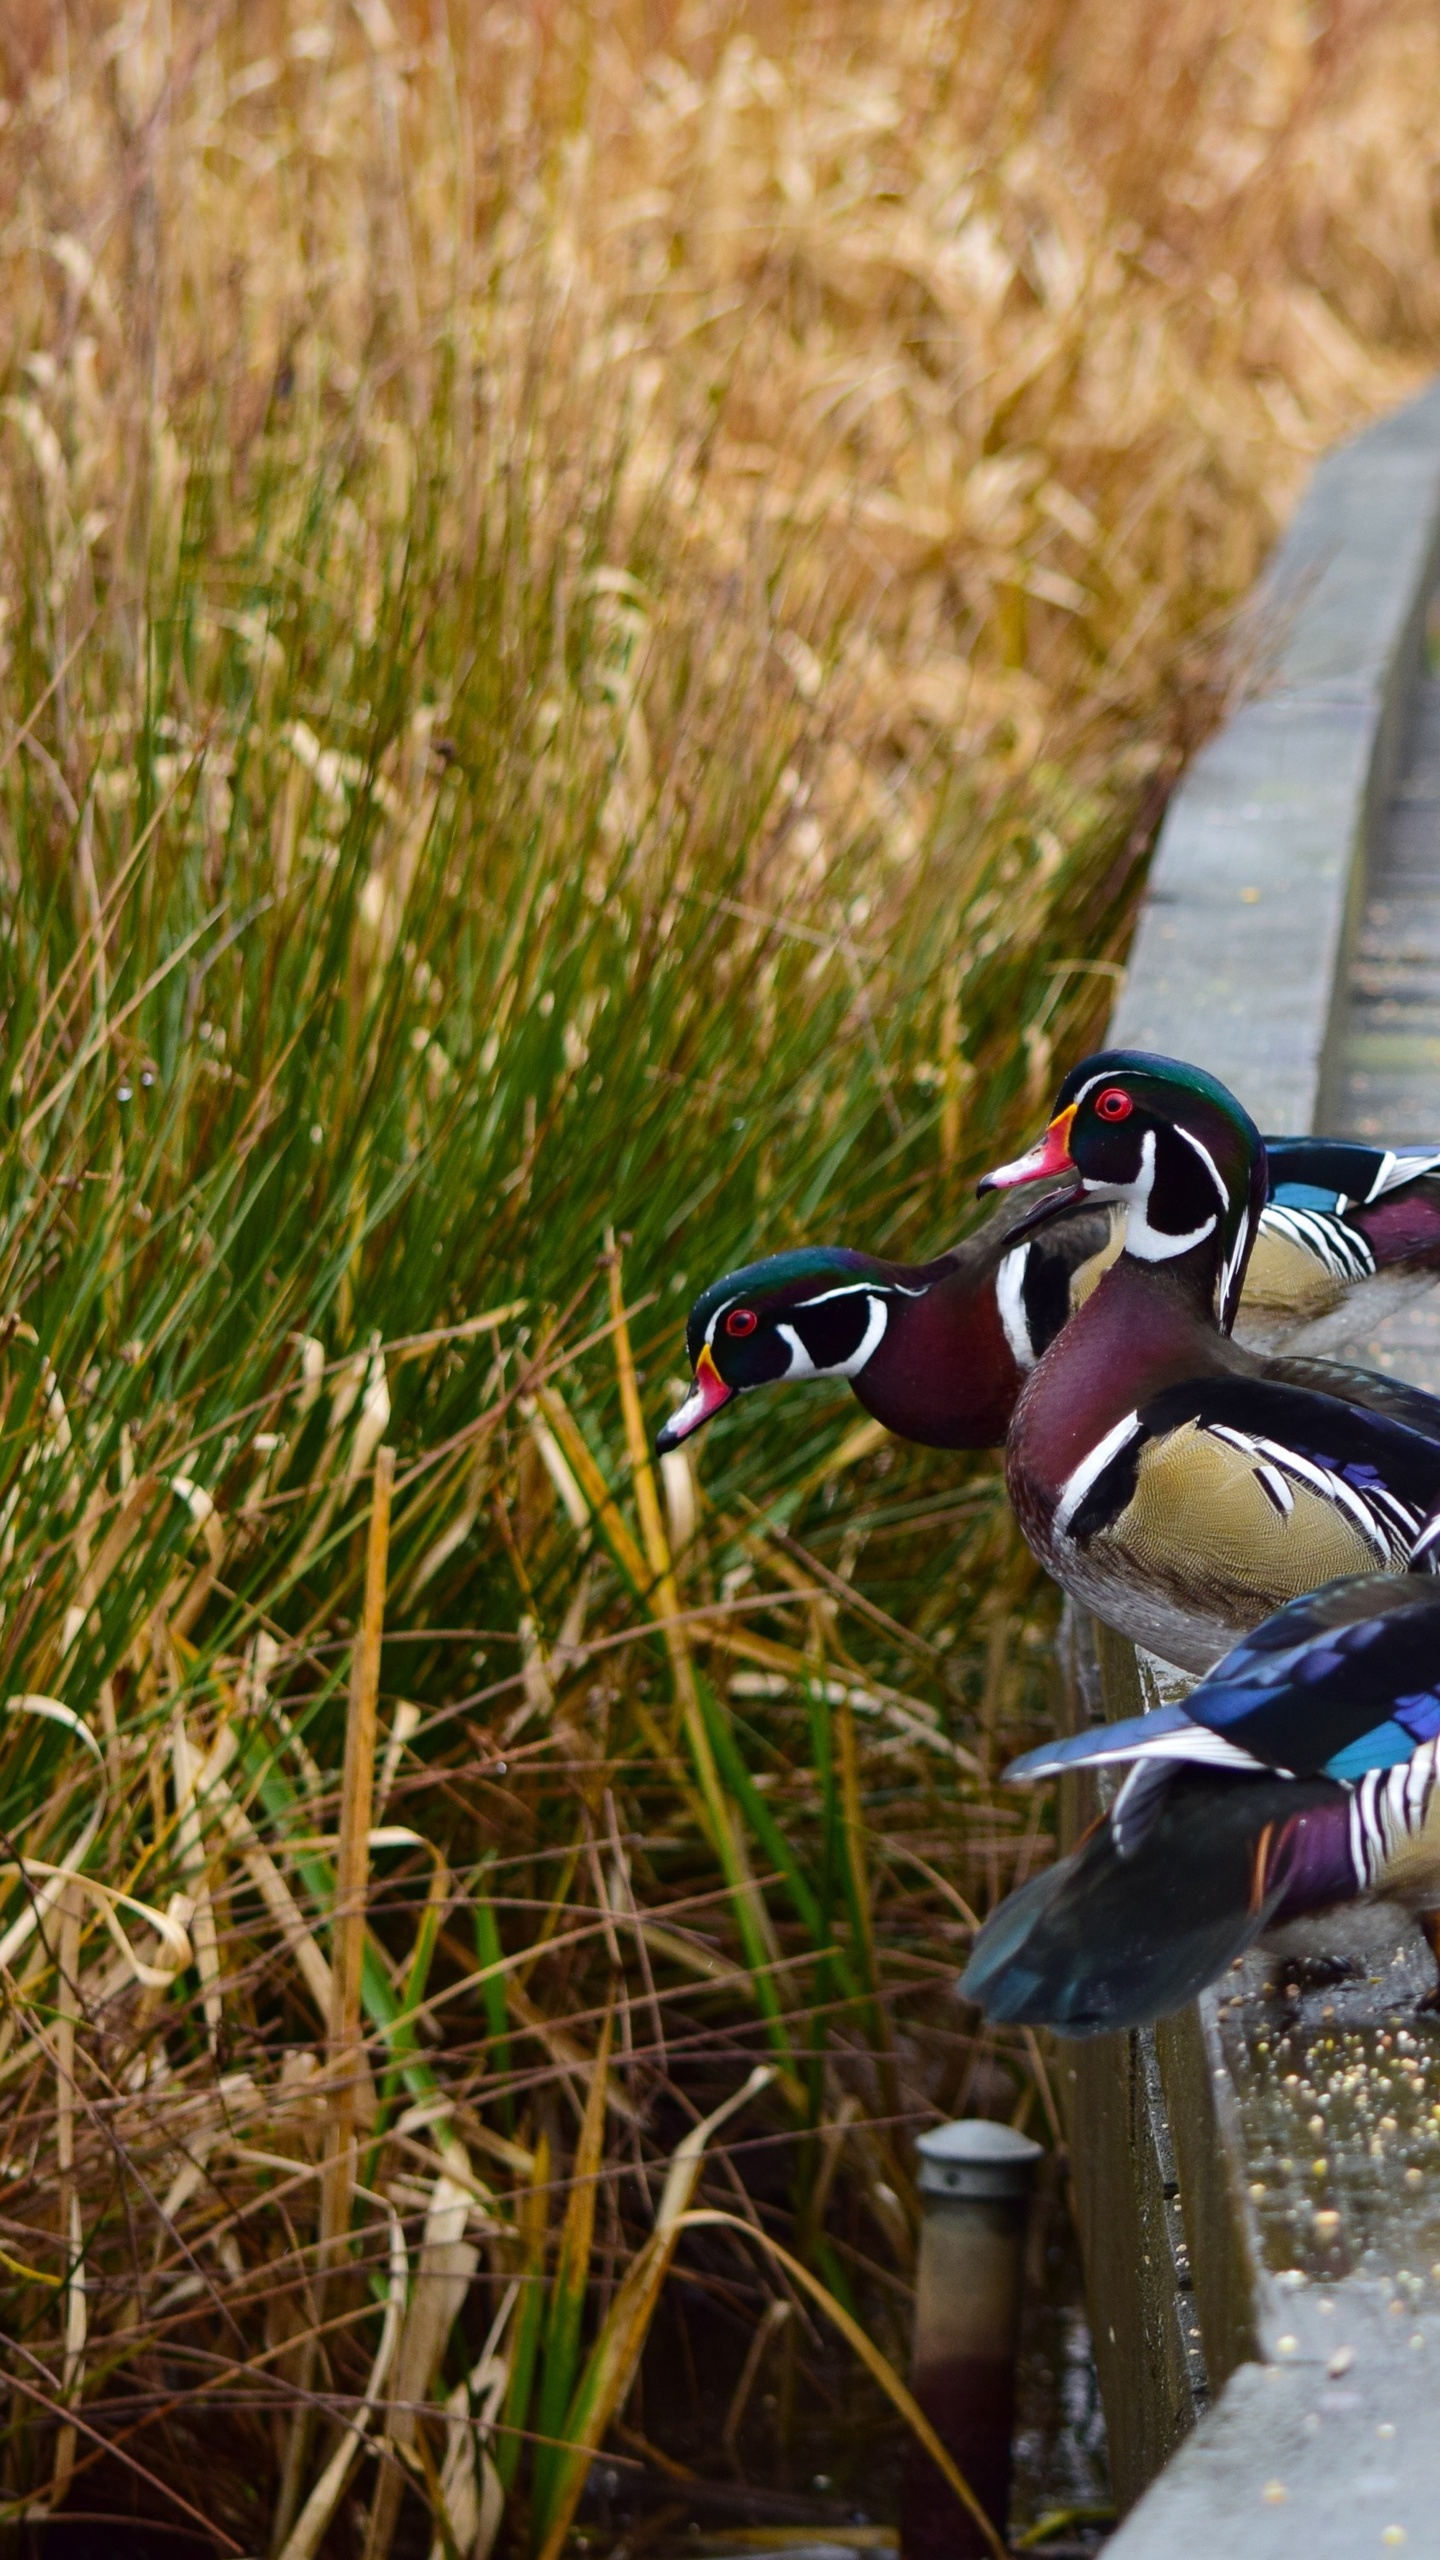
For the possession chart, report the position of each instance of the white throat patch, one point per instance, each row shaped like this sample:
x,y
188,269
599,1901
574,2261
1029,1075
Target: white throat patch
x,y
1152,1244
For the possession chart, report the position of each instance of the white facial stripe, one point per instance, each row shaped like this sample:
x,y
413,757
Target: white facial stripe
x,y
1234,1258
844,1289
1208,1162
801,1364
1224,1286
870,1340
856,1289
1148,1243
1089,1087
1010,1299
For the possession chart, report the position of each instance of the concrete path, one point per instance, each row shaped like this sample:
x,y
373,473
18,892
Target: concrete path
x,y
1387,1081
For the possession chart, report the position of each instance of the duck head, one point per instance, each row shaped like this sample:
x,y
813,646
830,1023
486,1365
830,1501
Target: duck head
x,y
1175,1147
822,1312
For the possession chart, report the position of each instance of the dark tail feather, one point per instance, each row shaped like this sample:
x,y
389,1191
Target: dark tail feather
x,y
1101,1942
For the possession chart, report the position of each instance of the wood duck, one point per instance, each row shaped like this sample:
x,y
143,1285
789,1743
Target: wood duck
x,y
938,1351
1338,1214
1176,1484
1299,1775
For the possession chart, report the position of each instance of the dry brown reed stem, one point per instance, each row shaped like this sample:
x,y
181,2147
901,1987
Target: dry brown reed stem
x,y
727,1833
444,2272
915,2417
853,1815
602,1504
642,1477
192,1861
1024,321
67,2194
352,1864
611,2371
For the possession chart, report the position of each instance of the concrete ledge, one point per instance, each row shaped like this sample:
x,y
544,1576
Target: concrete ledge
x,y
1293,2466
1281,802
1274,2362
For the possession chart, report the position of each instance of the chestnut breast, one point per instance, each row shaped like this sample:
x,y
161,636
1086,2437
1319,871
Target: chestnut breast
x,y
1134,1336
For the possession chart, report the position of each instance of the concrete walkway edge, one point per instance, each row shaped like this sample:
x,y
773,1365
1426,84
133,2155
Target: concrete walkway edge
x,y
1239,962
1239,955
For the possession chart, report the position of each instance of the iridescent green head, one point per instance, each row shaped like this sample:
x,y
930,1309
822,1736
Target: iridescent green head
x,y
821,1312
1168,1140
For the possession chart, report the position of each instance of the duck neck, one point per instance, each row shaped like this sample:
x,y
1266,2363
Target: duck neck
x,y
1188,1279
945,1373
1152,1319
1146,1326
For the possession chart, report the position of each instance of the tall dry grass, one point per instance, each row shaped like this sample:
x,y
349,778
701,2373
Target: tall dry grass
x,y
597,612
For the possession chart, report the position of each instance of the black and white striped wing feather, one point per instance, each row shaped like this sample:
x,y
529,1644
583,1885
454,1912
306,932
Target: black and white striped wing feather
x,y
1339,1249
1245,1486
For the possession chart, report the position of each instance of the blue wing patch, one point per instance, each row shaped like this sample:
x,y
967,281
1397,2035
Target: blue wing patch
x,y
1420,1715
1307,1195
1383,1747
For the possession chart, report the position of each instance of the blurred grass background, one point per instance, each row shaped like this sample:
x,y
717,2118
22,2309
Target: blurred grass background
x,y
599,607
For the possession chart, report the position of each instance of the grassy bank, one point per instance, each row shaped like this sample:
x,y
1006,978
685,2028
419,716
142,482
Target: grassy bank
x,y
598,612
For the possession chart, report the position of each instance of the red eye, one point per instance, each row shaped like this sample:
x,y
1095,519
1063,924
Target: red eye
x,y
741,1320
1113,1104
